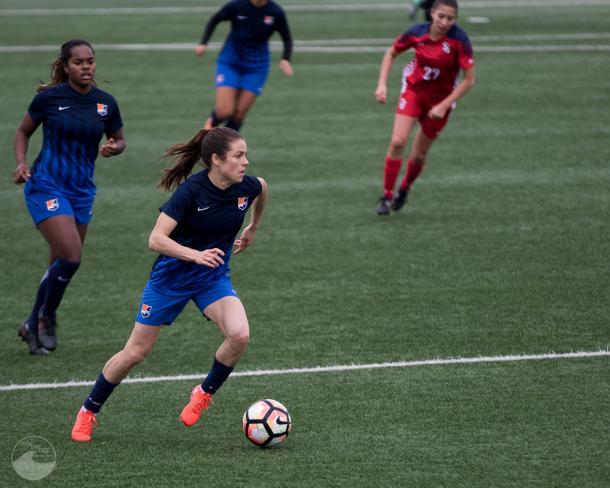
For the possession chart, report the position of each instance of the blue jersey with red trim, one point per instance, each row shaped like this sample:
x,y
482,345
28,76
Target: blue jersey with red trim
x,y
73,125
433,71
207,217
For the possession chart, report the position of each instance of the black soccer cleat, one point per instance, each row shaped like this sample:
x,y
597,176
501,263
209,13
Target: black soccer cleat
x,y
400,200
384,206
31,340
47,335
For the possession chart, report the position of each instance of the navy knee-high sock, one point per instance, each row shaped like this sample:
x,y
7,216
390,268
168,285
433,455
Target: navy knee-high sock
x,y
60,274
216,121
231,124
216,377
40,296
99,394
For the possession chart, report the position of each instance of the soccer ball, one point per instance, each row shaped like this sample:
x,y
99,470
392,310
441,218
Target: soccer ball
x,y
267,423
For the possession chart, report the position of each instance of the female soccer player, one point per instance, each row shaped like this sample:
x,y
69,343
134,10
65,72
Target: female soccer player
x,y
194,235
428,96
59,188
243,63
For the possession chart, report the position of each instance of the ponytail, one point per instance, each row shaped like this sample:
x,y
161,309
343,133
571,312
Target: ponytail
x,y
187,155
202,147
58,73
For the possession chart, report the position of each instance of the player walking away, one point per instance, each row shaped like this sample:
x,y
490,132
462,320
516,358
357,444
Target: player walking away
x,y
425,5
243,63
194,235
428,95
59,189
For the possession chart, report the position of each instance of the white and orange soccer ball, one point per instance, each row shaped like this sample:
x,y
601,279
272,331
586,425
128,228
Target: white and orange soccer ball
x,y
267,423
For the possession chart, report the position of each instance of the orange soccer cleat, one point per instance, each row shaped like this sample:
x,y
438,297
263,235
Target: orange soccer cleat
x,y
200,401
85,420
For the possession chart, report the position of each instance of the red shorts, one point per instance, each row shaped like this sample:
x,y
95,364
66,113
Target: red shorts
x,y
411,105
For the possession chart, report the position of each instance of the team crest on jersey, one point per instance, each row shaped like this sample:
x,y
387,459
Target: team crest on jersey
x,y
102,109
446,47
242,203
269,20
52,205
145,311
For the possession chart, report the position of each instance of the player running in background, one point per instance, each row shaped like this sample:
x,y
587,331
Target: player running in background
x,y
428,95
59,188
425,5
194,236
243,63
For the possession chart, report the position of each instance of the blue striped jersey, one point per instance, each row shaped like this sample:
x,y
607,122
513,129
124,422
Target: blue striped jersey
x,y
73,125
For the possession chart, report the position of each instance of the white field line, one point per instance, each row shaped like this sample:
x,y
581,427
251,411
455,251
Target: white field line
x,y
302,47
296,8
327,369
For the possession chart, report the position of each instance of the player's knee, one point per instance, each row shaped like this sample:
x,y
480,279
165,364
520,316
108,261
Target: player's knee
x,y
135,355
240,338
397,144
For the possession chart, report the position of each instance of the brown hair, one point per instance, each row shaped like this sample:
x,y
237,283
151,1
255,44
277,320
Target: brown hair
x,y
58,73
449,3
202,147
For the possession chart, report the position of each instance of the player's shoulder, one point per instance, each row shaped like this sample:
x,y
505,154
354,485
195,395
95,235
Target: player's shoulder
x,y
417,30
102,95
274,8
252,184
47,93
459,34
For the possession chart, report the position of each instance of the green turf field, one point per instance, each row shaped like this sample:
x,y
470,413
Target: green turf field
x,y
503,249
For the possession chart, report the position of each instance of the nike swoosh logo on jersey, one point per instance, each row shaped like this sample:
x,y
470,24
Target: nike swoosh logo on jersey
x,y
60,278
242,17
63,108
199,209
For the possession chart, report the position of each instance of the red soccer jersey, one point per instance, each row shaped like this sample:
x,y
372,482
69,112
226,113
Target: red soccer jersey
x,y
435,68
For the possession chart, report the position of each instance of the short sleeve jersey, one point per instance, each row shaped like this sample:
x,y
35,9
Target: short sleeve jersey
x,y
73,125
436,65
251,27
207,217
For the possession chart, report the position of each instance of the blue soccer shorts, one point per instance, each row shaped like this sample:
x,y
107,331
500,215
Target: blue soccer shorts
x,y
250,79
44,204
157,308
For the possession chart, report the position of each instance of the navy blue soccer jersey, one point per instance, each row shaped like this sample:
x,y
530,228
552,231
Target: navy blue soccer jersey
x,y
73,125
207,217
251,27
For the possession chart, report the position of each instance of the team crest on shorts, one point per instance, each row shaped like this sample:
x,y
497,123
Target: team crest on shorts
x,y
220,78
52,205
102,109
145,311
446,47
269,20
242,203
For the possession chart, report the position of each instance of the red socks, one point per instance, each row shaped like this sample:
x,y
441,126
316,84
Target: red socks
x,y
392,168
413,171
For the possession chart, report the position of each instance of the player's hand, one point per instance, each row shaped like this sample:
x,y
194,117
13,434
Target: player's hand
x,y
21,174
438,111
111,148
200,49
286,67
381,94
212,258
246,239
